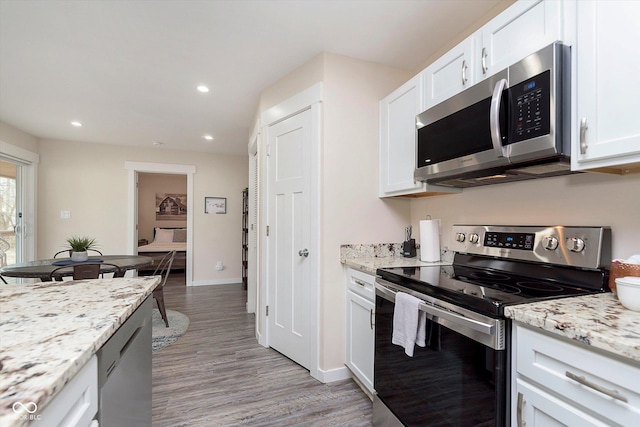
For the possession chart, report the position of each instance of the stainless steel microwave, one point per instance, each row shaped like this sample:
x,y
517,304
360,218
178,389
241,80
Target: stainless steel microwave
x,y
511,126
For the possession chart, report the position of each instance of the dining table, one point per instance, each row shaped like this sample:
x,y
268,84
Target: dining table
x,y
42,269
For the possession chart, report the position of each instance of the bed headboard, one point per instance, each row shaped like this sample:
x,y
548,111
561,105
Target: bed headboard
x,y
169,234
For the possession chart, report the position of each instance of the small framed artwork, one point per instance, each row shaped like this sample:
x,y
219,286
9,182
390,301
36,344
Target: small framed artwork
x,y
216,205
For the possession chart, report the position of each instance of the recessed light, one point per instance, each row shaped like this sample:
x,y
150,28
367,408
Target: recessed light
x,y
76,124
208,137
203,89
157,143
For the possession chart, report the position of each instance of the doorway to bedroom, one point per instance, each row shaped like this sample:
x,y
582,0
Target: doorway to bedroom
x,y
162,218
134,170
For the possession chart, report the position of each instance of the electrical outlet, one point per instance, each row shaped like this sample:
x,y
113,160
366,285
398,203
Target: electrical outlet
x,y
65,214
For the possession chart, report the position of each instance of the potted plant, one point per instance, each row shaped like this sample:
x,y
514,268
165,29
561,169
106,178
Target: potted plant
x,y
79,247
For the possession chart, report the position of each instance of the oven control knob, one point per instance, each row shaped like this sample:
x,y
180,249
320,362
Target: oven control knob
x,y
473,238
550,243
575,244
460,237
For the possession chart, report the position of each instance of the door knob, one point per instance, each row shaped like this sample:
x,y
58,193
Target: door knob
x,y
304,252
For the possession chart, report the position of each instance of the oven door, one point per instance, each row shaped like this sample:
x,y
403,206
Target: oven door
x,y
456,380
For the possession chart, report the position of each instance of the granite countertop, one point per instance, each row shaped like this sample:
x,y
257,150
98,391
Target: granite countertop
x,y
597,320
369,265
369,257
49,331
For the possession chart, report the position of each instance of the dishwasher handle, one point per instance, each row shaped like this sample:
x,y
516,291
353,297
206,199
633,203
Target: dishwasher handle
x,y
110,354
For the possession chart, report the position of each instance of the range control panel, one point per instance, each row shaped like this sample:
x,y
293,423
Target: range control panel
x,y
497,239
585,247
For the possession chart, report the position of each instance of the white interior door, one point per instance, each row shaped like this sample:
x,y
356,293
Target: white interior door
x,y
290,253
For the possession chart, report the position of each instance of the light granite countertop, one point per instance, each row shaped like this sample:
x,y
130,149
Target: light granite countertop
x,y
369,265
597,320
49,331
369,257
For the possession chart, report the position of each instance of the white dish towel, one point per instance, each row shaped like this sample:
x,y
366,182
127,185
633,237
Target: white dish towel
x,y
409,323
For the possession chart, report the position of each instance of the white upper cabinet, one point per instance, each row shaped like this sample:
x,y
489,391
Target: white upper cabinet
x,y
607,61
397,142
397,139
524,28
449,74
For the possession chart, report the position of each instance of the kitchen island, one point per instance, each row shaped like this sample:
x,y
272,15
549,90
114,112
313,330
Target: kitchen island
x,y
49,331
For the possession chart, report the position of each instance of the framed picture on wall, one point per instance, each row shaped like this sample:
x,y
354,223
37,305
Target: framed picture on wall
x,y
171,207
217,205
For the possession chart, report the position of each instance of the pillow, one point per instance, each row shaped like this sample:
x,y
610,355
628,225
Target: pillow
x,y
163,235
180,236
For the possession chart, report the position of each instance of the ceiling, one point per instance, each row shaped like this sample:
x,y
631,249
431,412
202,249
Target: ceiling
x,y
128,70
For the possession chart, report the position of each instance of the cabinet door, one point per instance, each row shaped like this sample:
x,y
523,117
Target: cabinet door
x,y
607,132
360,338
524,28
449,74
603,387
397,139
536,408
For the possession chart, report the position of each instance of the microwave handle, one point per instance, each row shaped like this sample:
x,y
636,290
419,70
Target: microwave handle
x,y
494,117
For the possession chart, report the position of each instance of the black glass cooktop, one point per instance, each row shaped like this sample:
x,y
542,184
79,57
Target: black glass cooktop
x,y
488,290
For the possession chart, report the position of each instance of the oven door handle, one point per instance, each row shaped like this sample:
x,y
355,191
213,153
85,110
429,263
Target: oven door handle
x,y
436,312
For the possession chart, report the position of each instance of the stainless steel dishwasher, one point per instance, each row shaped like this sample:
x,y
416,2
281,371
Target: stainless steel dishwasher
x,y
124,373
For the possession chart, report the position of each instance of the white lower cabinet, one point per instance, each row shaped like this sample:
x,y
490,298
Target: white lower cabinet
x,y
558,382
538,408
77,403
360,319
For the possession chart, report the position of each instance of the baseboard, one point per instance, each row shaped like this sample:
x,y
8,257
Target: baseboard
x,y
332,375
210,282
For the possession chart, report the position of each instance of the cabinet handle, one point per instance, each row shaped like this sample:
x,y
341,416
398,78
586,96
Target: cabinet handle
x,y
371,318
519,409
583,135
585,382
484,60
464,72
359,282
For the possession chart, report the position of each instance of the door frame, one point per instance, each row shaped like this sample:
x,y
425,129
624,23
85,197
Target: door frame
x,y
133,168
308,99
28,161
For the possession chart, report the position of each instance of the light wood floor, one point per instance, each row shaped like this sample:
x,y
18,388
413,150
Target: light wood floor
x,y
218,375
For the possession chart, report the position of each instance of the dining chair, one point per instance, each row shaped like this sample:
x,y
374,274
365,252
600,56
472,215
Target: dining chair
x,y
88,270
163,269
68,252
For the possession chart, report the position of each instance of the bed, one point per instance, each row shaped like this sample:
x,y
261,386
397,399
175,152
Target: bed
x,y
167,240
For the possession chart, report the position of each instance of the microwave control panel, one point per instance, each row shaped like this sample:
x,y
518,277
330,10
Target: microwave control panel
x,y
530,108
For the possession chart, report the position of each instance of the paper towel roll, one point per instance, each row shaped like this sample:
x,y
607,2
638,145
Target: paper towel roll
x,y
430,240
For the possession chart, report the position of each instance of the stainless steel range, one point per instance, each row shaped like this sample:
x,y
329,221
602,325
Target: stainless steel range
x,y
460,378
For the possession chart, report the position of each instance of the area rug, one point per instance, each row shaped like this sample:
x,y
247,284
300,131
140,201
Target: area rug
x,y
163,336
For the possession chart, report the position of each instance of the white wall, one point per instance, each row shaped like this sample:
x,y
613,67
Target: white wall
x,y
351,210
15,136
90,180
581,199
